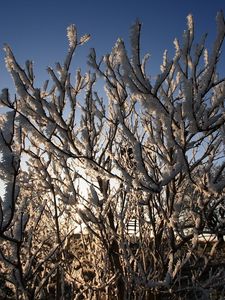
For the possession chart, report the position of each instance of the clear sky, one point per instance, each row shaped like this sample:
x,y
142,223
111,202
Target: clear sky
x,y
36,29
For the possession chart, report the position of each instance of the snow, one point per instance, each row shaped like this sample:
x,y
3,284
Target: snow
x,y
72,35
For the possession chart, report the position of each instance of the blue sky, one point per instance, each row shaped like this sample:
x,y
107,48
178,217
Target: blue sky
x,y
36,30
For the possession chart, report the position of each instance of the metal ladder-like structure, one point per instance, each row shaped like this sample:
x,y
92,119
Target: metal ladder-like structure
x,y
132,227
